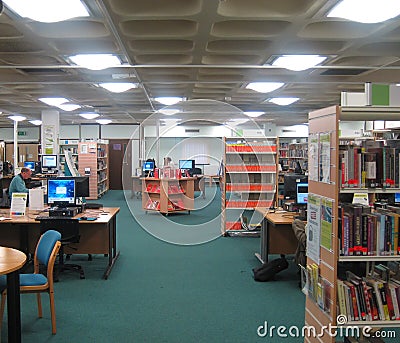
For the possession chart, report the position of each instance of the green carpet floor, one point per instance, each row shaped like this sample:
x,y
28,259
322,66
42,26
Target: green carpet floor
x,y
162,292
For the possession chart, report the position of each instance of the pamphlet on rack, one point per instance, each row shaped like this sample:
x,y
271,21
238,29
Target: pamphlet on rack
x,y
36,199
18,204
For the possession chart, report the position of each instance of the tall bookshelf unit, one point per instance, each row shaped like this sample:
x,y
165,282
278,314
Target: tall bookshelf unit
x,y
70,145
249,179
323,123
93,162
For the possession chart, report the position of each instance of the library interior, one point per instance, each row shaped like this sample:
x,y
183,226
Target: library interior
x,y
260,139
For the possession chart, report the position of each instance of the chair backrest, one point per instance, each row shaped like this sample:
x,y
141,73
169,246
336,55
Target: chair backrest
x,y
68,227
46,245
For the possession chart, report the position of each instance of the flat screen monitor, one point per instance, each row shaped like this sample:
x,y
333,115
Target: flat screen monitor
x,y
302,193
290,185
186,164
148,166
49,161
30,165
61,192
397,198
81,185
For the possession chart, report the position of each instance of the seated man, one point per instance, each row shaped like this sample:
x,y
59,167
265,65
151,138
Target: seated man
x,y
17,184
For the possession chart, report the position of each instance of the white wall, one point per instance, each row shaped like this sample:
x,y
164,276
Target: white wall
x,y
32,134
90,131
119,131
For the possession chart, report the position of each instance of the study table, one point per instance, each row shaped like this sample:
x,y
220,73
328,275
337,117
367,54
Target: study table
x,y
96,237
11,261
277,236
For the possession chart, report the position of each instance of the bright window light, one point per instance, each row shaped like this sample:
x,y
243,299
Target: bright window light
x,y
48,11
283,101
69,107
36,122
54,101
96,61
17,118
169,100
264,87
103,121
366,11
89,115
254,114
298,62
118,87
169,111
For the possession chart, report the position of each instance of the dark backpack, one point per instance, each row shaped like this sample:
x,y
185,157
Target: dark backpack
x,y
269,269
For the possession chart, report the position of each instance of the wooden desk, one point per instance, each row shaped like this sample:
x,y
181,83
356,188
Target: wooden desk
x,y
11,261
277,236
96,237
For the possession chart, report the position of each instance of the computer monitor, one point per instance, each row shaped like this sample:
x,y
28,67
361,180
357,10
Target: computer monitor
x,y
397,198
186,164
290,185
30,165
49,163
81,185
148,166
302,193
61,192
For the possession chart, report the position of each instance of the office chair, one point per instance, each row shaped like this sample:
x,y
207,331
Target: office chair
x,y
46,252
69,229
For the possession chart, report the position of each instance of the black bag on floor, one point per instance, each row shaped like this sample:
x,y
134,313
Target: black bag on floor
x,y
268,270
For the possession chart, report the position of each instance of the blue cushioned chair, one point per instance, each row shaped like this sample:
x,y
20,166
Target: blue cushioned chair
x,y
45,254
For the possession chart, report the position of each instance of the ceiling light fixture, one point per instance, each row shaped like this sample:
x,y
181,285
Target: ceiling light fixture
x,y
48,11
103,121
366,11
283,101
89,115
68,107
298,62
253,114
169,100
169,111
54,101
36,122
118,87
264,87
17,118
96,61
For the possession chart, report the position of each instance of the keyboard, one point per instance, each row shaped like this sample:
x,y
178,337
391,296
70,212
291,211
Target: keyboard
x,y
39,218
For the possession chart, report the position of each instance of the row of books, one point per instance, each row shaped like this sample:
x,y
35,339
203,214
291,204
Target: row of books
x,y
366,233
369,298
371,165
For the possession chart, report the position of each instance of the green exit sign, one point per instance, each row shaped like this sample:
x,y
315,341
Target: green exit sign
x,y
21,133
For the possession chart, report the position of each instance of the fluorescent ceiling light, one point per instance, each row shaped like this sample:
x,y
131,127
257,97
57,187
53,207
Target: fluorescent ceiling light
x,y
96,61
48,11
264,87
36,122
283,101
17,118
169,100
298,62
169,111
53,101
366,11
119,87
89,115
253,114
68,107
103,121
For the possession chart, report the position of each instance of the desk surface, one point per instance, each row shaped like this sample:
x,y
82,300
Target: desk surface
x,y
103,215
11,260
277,217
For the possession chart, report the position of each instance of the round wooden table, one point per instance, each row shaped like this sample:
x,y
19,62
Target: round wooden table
x,y
11,261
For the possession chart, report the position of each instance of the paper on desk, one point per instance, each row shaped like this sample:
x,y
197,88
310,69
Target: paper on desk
x,y
4,218
18,204
36,199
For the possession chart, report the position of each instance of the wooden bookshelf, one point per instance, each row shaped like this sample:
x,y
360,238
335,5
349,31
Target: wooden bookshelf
x,y
70,145
324,125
